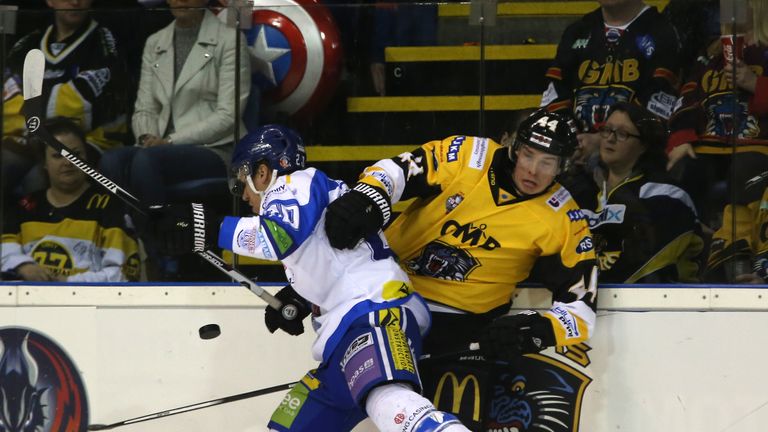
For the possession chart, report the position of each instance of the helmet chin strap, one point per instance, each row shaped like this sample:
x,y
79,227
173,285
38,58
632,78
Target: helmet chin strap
x,y
252,186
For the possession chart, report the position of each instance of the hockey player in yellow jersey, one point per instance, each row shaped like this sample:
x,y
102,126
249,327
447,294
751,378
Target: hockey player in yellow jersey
x,y
482,217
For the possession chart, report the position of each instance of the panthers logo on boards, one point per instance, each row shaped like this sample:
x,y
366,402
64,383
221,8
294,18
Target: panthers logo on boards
x,y
526,393
534,393
443,261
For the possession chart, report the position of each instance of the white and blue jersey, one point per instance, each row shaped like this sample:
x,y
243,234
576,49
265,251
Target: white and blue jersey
x,y
344,285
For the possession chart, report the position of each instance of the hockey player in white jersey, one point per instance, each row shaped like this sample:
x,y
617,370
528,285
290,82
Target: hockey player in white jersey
x,y
369,322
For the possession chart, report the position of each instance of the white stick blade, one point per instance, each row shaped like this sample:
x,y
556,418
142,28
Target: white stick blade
x,y
34,69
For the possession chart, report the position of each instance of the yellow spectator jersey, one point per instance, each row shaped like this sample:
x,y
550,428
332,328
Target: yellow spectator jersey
x,y
85,241
85,80
469,239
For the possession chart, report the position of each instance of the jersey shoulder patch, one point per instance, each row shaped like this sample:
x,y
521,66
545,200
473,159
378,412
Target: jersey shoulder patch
x,y
558,199
469,151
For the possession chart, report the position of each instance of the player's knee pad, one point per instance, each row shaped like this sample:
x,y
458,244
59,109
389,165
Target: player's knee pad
x,y
438,421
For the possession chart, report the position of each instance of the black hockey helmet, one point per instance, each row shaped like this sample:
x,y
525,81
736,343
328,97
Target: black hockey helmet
x,y
550,132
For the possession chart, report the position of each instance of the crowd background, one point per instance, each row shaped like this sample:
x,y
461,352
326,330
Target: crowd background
x,y
395,75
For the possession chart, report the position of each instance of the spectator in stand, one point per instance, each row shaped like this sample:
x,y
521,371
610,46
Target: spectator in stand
x,y
718,128
759,239
84,80
185,109
645,227
697,23
73,231
625,51
399,23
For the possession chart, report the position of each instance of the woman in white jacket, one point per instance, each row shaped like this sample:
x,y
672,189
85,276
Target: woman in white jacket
x,y
184,117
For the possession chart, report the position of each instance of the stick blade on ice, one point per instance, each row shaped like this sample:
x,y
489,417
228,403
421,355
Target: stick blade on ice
x,y
34,69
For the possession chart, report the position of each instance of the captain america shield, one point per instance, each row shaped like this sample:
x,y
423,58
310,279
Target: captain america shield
x,y
296,55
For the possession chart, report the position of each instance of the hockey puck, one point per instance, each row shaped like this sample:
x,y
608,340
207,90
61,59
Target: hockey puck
x,y
209,331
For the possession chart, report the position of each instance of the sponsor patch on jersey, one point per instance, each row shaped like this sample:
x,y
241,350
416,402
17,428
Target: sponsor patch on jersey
x,y
52,74
479,150
549,96
646,45
611,214
11,88
247,239
276,191
567,321
613,34
358,344
576,215
662,104
401,351
289,408
606,259
580,43
453,148
283,241
383,178
97,79
560,197
453,201
585,245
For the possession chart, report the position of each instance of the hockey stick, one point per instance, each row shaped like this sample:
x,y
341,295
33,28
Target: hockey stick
x,y
473,347
193,407
34,69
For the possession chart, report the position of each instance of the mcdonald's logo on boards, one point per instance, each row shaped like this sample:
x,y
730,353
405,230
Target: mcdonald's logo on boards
x,y
458,388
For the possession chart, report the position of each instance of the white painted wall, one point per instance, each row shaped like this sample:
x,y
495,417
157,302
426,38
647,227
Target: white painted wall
x,y
674,369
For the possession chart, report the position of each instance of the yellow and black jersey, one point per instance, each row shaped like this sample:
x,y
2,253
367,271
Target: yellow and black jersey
x,y
468,239
85,80
760,236
646,231
705,116
597,66
86,241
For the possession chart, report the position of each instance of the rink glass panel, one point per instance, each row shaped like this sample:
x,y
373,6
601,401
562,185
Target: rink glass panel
x,y
381,80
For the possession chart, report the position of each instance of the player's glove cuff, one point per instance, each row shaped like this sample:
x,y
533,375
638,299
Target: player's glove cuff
x,y
378,197
276,319
510,336
360,212
176,229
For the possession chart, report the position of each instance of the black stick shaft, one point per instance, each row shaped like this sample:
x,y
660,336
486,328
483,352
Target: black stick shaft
x,y
193,407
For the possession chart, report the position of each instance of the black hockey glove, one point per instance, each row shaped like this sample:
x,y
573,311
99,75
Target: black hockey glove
x,y
274,319
510,336
176,229
351,217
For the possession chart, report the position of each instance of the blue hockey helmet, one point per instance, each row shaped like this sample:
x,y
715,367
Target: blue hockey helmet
x,y
278,146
